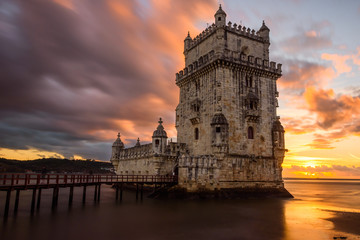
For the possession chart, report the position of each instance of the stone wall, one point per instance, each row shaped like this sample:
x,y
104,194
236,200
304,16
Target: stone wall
x,y
210,173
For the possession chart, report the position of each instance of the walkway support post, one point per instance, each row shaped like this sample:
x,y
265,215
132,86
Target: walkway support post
x,y
55,197
95,192
84,195
137,191
117,192
98,193
16,206
7,204
38,200
121,191
71,194
33,202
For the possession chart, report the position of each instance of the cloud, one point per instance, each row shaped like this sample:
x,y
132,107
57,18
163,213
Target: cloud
x,y
317,37
339,62
331,110
338,115
323,171
321,142
74,72
299,126
356,57
298,75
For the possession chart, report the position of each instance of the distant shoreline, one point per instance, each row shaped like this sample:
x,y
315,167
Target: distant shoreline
x,y
335,179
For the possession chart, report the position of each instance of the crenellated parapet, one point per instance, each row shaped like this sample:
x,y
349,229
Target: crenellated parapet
x,y
235,58
237,29
141,151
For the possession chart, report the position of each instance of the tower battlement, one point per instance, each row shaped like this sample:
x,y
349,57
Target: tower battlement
x,y
235,59
238,29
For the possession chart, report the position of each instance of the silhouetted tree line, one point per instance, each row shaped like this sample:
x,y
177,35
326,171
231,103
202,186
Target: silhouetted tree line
x,y
55,165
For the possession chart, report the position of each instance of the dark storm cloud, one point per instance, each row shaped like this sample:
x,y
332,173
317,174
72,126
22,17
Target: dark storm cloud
x,y
71,74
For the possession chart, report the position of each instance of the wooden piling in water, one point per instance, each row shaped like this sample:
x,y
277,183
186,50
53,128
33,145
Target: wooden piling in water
x,y
38,199
98,193
137,191
117,192
33,202
55,197
84,195
95,192
121,191
16,206
71,195
7,203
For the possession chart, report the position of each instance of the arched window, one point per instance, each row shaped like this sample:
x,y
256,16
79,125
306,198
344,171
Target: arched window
x,y
251,105
196,133
250,133
157,142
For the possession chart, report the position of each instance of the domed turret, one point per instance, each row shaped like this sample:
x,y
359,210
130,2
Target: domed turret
x,y
117,146
138,143
159,139
187,42
219,119
160,132
264,32
118,142
220,17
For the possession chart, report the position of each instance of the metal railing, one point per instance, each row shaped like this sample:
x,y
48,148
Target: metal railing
x,y
30,179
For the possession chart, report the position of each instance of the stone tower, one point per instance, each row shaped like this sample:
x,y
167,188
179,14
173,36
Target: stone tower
x,y
229,137
226,115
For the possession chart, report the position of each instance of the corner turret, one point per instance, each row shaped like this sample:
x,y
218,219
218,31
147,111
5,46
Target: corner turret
x,y
278,134
159,139
117,146
264,32
220,17
187,42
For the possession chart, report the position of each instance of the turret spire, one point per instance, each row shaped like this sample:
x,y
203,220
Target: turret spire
x,y
137,142
220,17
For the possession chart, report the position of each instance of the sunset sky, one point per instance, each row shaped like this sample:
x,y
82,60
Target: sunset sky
x,y
74,73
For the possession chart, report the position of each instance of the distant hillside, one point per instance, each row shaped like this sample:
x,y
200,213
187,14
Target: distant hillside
x,y
55,165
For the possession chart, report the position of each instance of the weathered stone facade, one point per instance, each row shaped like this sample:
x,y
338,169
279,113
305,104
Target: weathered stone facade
x,y
228,133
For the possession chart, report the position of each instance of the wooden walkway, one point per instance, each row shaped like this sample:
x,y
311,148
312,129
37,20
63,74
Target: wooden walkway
x,y
36,182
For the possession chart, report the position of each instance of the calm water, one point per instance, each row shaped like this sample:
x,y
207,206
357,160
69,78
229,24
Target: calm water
x,y
320,210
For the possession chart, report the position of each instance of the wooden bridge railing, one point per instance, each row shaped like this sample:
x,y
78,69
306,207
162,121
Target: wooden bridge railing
x,y
29,179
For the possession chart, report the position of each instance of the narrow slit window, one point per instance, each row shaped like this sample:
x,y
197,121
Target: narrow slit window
x,y
196,133
250,133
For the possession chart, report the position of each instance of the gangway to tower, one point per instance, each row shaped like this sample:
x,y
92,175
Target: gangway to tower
x,y
36,182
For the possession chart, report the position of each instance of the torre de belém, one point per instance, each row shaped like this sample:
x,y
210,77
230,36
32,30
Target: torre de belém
x,y
229,137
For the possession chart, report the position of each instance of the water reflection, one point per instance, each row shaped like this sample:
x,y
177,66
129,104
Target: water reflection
x,y
301,218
